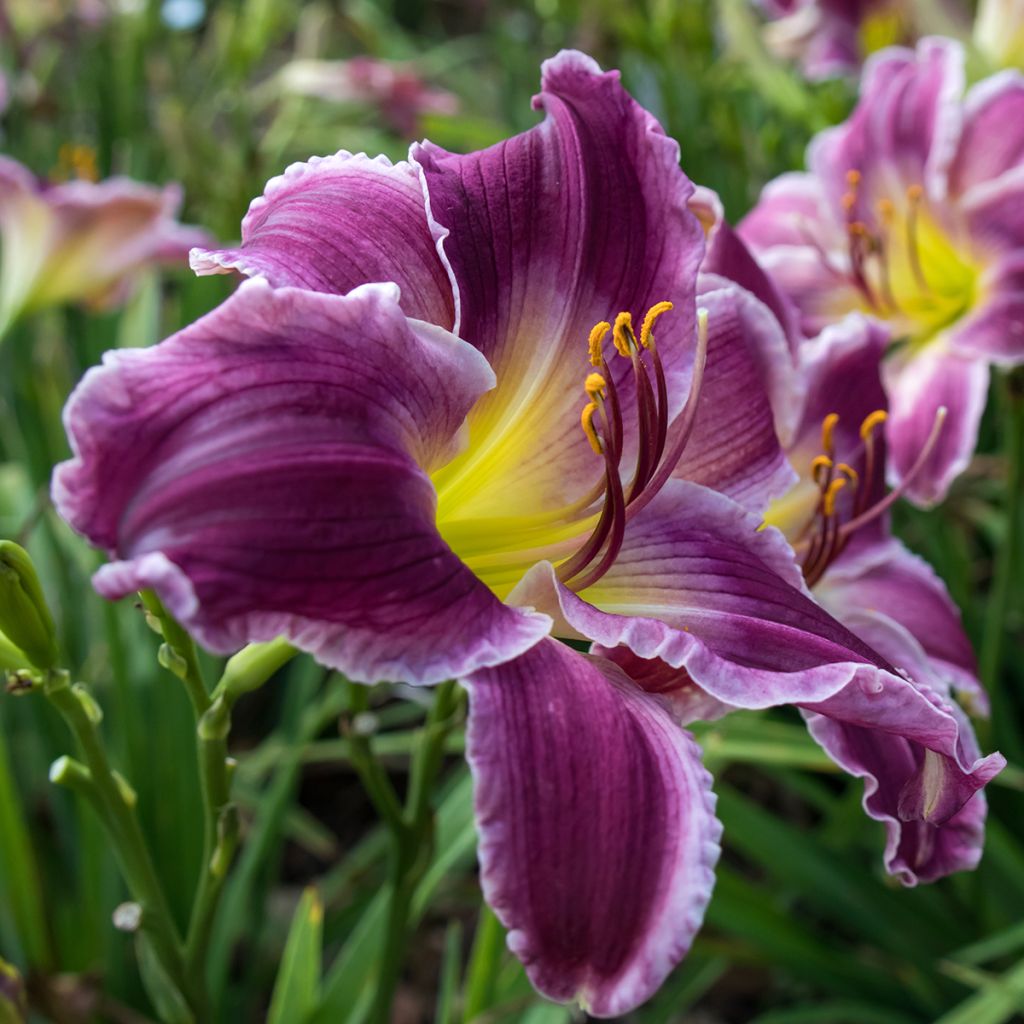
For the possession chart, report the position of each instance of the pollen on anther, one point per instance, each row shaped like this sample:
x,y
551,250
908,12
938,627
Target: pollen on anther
x,y
647,329
853,177
828,426
594,385
622,334
597,336
829,501
820,462
851,474
587,422
871,422
915,193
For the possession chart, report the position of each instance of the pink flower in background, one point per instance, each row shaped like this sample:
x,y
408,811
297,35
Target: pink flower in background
x,y
80,240
832,37
397,91
912,213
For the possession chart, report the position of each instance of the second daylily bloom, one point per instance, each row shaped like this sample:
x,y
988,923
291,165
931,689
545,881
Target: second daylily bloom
x,y
81,240
911,213
436,477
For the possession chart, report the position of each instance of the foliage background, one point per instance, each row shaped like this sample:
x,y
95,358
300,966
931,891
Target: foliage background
x,y
804,927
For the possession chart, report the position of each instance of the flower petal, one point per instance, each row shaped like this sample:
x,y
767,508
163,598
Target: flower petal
x,y
933,378
549,233
265,471
933,809
733,620
993,131
340,221
905,128
598,838
890,582
734,447
82,241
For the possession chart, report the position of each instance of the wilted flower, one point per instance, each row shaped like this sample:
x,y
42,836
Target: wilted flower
x,y
999,32
400,480
911,214
397,91
81,240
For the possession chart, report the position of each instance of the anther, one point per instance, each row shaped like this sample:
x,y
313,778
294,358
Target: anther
x,y
853,178
828,427
871,422
820,463
587,422
849,472
646,330
623,337
828,505
594,386
597,336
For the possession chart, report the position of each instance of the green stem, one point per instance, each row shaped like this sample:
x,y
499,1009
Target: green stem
x,y
180,643
1007,559
123,828
411,847
245,672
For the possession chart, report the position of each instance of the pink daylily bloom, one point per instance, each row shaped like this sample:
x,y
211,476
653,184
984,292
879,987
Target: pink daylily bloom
x,y
82,241
911,214
396,447
397,91
831,38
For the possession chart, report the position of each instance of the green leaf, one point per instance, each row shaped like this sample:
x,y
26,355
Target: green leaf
x,y
1000,1000
297,989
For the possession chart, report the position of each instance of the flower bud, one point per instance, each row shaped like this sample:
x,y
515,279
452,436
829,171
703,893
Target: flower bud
x,y
25,618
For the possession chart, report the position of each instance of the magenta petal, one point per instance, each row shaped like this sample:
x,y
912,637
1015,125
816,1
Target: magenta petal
x,y
265,470
548,233
734,448
905,127
337,222
890,584
933,379
931,802
993,133
700,587
598,838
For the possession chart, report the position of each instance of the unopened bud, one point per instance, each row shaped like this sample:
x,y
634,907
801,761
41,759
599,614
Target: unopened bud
x,y
25,618
171,660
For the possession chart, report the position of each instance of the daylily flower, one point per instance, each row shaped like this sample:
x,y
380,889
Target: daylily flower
x,y
999,32
911,214
438,477
81,240
832,38
836,517
397,91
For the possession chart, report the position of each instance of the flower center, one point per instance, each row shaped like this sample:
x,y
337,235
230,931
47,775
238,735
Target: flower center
x,y
76,162
583,538
903,263
833,500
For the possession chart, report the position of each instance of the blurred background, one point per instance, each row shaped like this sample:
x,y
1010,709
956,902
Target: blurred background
x,y
219,96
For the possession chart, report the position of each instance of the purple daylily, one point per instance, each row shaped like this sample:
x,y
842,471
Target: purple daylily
x,y
911,213
394,477
81,240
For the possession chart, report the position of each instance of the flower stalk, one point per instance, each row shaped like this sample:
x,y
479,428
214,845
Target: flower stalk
x,y
411,828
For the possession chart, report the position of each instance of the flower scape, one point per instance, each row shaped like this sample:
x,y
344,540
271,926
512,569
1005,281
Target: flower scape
x,y
531,428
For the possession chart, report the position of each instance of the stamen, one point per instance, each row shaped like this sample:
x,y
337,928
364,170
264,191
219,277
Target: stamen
x,y
597,336
594,386
851,474
821,462
646,330
587,422
623,337
914,195
828,426
871,421
897,492
828,503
